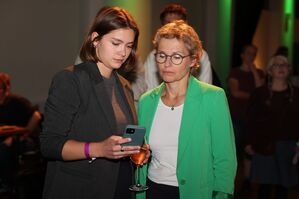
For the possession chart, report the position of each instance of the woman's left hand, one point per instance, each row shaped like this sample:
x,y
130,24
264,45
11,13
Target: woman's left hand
x,y
148,153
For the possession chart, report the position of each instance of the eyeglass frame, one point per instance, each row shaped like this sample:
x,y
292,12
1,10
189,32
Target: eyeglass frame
x,y
182,57
285,65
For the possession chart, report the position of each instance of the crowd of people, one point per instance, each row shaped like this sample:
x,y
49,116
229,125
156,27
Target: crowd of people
x,y
196,133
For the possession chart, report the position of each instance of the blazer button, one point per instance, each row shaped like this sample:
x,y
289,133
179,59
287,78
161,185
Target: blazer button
x,y
183,182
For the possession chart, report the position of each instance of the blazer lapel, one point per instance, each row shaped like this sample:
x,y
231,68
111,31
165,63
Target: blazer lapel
x,y
191,104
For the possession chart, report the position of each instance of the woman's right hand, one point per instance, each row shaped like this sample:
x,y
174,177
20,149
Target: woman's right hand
x,y
111,148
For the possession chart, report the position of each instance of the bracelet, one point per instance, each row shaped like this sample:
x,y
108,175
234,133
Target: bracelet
x,y
86,150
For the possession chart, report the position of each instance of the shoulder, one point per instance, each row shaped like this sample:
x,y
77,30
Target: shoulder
x,y
147,95
64,73
204,56
69,80
207,93
18,99
63,78
150,58
151,94
204,87
76,73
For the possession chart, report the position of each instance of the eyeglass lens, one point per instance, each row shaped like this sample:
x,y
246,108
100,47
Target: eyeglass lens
x,y
175,58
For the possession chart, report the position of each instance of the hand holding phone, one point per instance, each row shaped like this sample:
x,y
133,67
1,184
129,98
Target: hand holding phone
x,y
136,133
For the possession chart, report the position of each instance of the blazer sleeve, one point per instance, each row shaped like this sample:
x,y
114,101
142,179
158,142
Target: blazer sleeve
x,y
60,109
223,145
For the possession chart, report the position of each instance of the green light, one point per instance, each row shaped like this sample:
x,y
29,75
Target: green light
x,y
288,6
129,5
223,51
288,15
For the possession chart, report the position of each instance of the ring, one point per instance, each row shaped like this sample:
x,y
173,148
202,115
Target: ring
x,y
121,149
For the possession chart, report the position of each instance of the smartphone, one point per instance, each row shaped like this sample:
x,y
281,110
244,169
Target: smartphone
x,y
136,133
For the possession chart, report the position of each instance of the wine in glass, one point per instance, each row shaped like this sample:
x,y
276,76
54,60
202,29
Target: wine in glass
x,y
138,158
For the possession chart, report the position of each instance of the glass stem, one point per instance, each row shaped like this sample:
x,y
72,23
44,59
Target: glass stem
x,y
138,175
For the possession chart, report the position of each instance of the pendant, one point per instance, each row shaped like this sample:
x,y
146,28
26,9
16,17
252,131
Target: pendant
x,y
172,108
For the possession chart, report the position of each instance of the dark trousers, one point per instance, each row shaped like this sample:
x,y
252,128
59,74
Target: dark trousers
x,y
161,191
265,191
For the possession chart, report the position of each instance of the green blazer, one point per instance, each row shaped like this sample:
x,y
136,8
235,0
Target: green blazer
x,y
206,161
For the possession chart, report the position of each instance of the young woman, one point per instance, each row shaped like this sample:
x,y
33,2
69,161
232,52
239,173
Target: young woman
x,y
86,112
273,131
188,124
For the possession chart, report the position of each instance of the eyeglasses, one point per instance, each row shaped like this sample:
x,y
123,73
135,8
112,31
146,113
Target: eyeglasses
x,y
174,58
280,65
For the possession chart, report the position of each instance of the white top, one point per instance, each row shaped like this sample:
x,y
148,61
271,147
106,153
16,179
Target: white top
x,y
151,71
163,141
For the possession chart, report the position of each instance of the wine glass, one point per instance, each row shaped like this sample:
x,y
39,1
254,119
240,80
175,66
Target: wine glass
x,y
138,158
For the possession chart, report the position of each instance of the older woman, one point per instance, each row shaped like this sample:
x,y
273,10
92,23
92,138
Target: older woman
x,y
188,124
273,131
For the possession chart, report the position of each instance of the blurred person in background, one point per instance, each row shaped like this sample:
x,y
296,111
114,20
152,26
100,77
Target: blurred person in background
x,y
170,13
15,110
242,81
273,131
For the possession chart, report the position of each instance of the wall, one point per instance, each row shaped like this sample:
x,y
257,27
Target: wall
x,y
269,33
267,36
37,38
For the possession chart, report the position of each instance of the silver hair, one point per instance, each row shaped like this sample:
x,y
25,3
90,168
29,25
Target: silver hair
x,y
276,57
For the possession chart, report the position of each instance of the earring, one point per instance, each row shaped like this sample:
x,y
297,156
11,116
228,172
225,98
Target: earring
x,y
94,44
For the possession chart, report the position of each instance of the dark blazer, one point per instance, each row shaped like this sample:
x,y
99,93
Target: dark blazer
x,y
78,108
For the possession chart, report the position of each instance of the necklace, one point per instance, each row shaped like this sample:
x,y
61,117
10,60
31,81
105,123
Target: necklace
x,y
173,105
172,102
